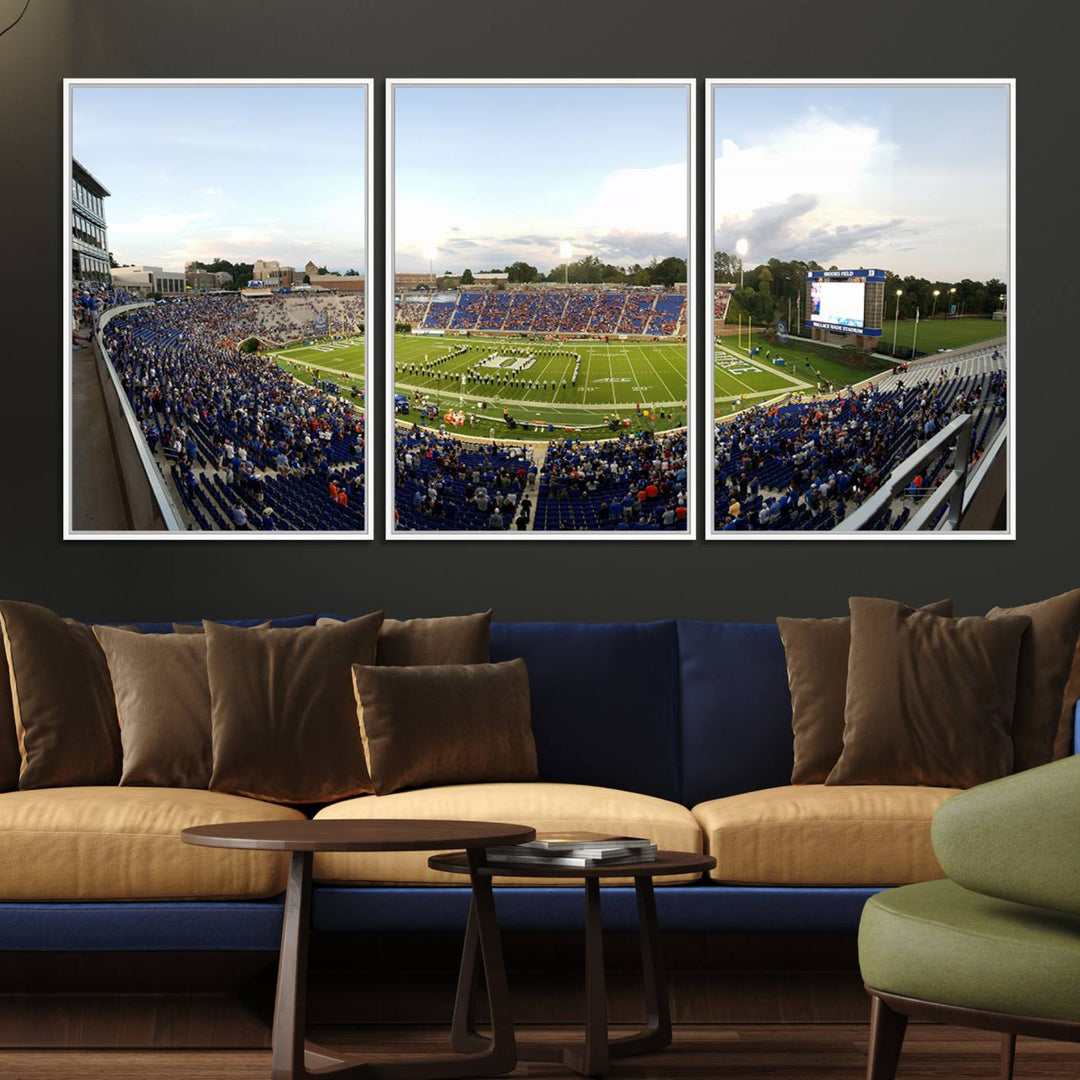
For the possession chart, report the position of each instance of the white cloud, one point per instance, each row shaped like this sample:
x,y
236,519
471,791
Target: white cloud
x,y
639,201
154,223
816,155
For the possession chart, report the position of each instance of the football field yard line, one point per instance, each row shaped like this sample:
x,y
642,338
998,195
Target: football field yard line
x,y
656,372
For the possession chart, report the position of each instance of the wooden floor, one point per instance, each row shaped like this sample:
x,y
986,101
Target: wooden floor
x,y
726,1052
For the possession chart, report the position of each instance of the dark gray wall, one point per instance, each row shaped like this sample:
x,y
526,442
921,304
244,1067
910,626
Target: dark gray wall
x,y
544,38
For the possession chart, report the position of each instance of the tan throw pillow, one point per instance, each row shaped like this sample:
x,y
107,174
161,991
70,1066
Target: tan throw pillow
x,y
163,703
197,628
1065,738
445,724
282,710
65,717
454,639
1046,657
9,740
929,700
816,651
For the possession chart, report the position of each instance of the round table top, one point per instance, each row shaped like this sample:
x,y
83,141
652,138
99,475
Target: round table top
x,y
375,834
666,862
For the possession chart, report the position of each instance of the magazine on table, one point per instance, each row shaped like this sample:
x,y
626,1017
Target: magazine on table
x,y
576,849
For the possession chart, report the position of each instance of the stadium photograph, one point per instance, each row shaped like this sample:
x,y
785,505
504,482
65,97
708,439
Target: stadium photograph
x,y
216,309
861,378
540,328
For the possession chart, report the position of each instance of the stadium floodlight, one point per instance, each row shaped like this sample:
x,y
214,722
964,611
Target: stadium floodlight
x,y
566,252
742,246
429,253
896,320
933,307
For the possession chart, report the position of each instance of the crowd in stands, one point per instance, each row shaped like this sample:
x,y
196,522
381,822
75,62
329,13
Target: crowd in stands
x,y
637,482
447,484
246,446
721,299
806,466
283,318
644,311
89,299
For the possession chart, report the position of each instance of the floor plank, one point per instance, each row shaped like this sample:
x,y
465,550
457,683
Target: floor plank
x,y
725,1052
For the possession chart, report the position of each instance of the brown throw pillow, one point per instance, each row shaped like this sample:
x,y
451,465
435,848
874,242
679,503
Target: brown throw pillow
x,y
1046,657
445,724
816,651
197,628
1065,738
65,717
9,740
163,702
454,639
282,710
929,700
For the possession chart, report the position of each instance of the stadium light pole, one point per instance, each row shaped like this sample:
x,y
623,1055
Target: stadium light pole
x,y
896,320
566,252
742,246
430,252
952,298
933,307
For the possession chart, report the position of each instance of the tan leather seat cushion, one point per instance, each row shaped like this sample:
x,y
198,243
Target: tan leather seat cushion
x,y
123,843
546,807
810,834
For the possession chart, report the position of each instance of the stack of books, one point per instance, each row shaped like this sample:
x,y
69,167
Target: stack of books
x,y
575,849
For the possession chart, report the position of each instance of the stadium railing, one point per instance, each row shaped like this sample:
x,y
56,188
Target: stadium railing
x,y
950,492
151,508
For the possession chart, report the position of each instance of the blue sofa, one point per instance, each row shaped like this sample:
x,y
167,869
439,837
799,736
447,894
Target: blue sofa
x,y
681,711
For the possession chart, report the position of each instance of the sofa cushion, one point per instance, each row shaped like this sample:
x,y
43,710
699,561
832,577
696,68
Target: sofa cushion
x,y
440,724
546,807
1065,739
448,639
65,715
1046,659
929,699
113,843
736,709
163,703
604,701
939,942
811,834
10,761
283,713
817,663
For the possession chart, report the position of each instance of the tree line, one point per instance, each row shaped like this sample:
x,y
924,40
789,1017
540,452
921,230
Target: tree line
x,y
770,290
588,270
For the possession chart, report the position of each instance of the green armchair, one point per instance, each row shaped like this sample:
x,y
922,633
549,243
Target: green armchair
x,y
997,944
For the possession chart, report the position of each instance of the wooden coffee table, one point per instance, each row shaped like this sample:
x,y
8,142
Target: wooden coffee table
x,y
291,1057
591,1058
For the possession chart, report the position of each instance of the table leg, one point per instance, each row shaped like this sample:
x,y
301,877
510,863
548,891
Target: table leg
x,y
657,1031
290,1012
592,1059
463,1034
294,1059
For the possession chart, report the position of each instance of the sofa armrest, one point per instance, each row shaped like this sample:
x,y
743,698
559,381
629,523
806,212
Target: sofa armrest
x,y
1017,838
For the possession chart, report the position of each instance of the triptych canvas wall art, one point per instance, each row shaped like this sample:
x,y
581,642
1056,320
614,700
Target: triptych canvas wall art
x,y
545,319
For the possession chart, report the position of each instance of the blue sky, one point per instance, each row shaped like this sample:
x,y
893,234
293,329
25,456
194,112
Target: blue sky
x,y
907,178
195,172
487,175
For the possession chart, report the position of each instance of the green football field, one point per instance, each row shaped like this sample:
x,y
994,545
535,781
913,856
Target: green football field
x,y
336,360
941,333
533,382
